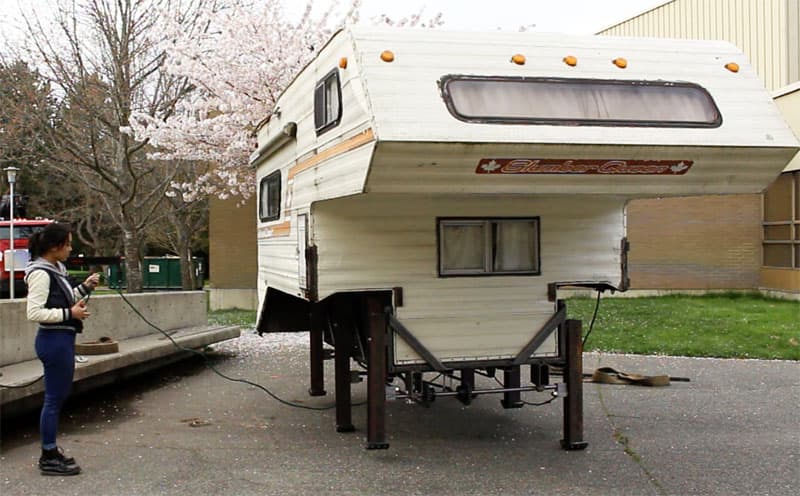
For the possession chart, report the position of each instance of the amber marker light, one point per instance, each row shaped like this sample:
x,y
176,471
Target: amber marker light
x,y
387,56
732,66
518,59
620,62
570,60
343,63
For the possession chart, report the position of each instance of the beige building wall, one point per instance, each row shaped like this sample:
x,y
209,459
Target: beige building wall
x,y
767,31
233,254
707,242
716,242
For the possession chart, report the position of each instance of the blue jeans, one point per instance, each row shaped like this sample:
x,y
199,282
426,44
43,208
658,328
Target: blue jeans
x,y
56,350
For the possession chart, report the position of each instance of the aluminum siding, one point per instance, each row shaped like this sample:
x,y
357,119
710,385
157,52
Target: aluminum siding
x,y
768,31
381,241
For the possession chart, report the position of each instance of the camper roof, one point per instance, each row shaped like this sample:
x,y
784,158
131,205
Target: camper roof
x,y
410,102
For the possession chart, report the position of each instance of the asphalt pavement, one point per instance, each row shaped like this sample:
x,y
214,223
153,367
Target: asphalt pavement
x,y
182,430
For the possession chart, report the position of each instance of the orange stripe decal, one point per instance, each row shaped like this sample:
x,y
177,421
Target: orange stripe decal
x,y
276,231
351,143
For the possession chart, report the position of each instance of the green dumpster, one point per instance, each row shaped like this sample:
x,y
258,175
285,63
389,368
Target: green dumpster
x,y
165,273
116,276
157,273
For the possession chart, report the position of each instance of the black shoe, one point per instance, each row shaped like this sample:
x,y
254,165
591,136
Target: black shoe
x,y
53,462
56,466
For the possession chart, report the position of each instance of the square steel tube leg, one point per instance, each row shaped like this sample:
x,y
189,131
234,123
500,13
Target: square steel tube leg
x,y
511,379
344,343
376,375
573,375
316,357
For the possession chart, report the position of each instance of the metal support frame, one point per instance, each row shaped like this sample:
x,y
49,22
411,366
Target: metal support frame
x,y
344,343
316,355
573,374
376,374
511,380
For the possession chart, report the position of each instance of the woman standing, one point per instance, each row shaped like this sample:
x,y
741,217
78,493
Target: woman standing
x,y
60,310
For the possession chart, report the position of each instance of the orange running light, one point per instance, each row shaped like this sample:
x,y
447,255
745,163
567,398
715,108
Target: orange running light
x,y
387,56
518,59
570,60
343,63
620,62
732,66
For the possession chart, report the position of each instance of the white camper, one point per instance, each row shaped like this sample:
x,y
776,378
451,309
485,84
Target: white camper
x,y
423,194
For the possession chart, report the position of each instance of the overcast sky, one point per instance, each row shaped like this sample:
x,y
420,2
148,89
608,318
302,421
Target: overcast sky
x,y
567,16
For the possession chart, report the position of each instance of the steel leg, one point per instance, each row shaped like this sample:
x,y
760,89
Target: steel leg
x,y
573,374
511,379
344,340
376,375
316,358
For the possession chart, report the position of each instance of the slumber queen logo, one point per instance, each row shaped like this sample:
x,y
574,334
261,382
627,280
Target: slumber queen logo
x,y
582,166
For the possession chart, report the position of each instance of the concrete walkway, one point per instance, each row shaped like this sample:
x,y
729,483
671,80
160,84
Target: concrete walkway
x,y
734,429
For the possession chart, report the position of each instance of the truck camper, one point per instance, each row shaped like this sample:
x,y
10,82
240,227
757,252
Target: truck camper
x,y
424,194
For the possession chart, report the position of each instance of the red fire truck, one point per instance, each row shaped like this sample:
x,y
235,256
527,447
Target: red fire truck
x,y
23,228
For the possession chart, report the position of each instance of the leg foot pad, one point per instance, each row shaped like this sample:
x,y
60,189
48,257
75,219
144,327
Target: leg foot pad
x,y
576,446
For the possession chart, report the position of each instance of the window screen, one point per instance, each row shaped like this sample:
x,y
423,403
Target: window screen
x,y
781,222
488,246
579,102
327,102
269,206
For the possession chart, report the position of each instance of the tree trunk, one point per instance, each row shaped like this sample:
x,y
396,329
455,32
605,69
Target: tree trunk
x,y
188,279
133,262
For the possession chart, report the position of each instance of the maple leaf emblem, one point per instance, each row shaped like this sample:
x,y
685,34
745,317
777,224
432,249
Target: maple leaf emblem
x,y
679,167
491,166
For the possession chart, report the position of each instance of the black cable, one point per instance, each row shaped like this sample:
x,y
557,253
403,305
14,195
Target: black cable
x,y
540,404
594,316
232,379
528,402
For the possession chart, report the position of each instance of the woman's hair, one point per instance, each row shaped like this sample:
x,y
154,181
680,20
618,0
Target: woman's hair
x,y
52,236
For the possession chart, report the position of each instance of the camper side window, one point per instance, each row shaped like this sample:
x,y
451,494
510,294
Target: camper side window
x,y
269,207
471,247
327,102
587,102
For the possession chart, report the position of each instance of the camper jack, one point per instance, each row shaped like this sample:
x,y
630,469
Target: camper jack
x,y
381,322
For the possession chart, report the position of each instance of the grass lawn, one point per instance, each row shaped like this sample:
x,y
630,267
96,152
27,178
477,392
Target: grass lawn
x,y
728,325
244,318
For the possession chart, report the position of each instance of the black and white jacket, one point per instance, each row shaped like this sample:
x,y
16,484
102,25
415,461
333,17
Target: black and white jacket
x,y
51,295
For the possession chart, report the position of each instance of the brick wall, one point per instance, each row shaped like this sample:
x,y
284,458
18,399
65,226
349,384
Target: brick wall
x,y
232,244
708,242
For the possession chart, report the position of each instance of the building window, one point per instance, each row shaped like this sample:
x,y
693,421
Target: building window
x,y
592,102
269,204
781,226
327,102
479,247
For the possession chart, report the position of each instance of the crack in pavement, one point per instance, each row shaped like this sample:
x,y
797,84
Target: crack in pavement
x,y
625,442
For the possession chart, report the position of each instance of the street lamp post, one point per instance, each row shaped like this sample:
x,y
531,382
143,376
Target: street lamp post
x,y
11,173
